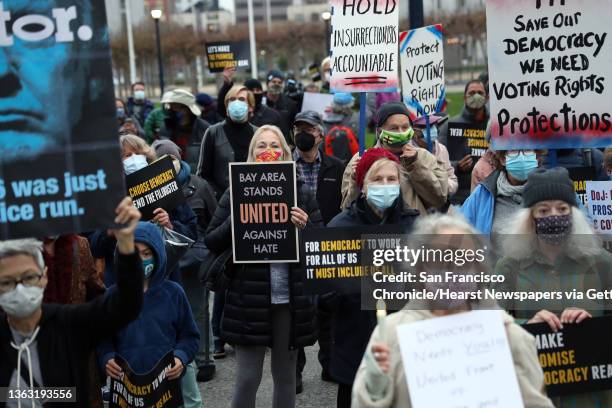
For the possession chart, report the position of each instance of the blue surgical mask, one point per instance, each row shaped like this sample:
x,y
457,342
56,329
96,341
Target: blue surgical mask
x,y
134,163
148,266
120,113
521,165
139,95
433,133
238,111
382,196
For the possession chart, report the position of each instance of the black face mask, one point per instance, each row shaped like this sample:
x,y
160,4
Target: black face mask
x,y
304,141
258,99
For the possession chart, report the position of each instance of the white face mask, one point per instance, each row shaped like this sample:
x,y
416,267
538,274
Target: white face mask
x,y
134,163
22,301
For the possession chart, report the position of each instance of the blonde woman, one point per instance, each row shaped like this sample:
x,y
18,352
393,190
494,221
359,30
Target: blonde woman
x,y
264,305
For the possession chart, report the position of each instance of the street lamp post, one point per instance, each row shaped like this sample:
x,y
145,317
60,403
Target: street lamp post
x,y
326,16
157,14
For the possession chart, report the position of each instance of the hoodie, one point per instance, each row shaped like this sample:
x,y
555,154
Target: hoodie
x,y
165,322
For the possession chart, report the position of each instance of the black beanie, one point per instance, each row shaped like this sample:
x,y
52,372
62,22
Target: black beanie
x,y
252,84
549,184
391,108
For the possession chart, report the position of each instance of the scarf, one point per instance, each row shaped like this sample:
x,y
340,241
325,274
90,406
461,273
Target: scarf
x,y
505,189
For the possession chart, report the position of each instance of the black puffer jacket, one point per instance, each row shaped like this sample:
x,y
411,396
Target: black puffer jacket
x,y
247,317
351,326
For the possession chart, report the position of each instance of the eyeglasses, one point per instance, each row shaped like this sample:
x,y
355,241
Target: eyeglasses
x,y
515,153
28,280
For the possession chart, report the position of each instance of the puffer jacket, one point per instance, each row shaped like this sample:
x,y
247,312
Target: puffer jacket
x,y
522,347
427,185
247,317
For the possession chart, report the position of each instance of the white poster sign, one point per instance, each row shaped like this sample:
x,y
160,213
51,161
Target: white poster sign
x,y
599,205
317,102
464,358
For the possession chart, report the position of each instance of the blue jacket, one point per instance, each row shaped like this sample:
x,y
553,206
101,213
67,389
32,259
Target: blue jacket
x,y
165,322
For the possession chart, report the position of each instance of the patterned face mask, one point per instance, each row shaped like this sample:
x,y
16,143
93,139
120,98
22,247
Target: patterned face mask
x,y
268,155
554,229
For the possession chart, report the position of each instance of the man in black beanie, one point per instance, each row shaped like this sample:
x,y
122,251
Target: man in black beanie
x,y
426,186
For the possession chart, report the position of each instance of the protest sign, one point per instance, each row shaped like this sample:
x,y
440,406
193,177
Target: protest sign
x,y
464,135
580,176
549,68
227,54
422,64
262,195
152,389
60,168
577,358
317,102
332,257
155,186
599,199
364,46
464,358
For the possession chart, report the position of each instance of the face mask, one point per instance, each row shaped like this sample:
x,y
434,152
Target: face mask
x,y
554,229
238,111
148,266
120,113
22,301
393,138
258,98
275,89
520,166
139,95
134,163
304,141
476,101
178,115
268,155
383,196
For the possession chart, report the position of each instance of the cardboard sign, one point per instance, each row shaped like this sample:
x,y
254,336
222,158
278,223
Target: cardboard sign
x,y
153,389
332,257
576,359
262,195
464,358
227,54
580,176
461,135
599,199
60,168
317,102
155,186
422,63
549,71
364,46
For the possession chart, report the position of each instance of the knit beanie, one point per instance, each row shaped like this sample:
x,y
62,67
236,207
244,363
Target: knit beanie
x,y
165,146
389,109
253,84
549,184
274,73
368,159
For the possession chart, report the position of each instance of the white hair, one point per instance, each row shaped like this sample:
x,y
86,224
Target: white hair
x,y
30,247
582,241
434,223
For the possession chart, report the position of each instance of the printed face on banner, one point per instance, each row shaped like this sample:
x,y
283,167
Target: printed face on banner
x,y
59,153
364,45
548,67
422,65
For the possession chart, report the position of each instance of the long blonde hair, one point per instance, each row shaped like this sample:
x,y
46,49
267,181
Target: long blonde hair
x,y
281,138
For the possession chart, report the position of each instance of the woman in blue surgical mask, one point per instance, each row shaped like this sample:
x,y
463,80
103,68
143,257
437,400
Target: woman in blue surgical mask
x,y
379,177
500,195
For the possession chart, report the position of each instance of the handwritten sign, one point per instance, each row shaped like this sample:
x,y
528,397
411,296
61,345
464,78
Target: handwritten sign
x,y
549,67
221,55
576,359
599,198
464,358
422,62
153,389
155,186
364,45
262,195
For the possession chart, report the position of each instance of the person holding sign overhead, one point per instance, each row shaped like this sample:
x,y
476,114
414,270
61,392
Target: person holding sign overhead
x,y
265,307
380,178
551,246
426,184
381,378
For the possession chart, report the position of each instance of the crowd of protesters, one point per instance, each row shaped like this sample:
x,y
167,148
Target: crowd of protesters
x,y
72,303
